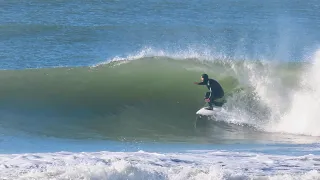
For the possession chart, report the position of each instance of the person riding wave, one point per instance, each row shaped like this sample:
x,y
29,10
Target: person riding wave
x,y
215,91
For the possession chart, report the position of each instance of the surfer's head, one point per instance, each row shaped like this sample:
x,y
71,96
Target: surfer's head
x,y
204,77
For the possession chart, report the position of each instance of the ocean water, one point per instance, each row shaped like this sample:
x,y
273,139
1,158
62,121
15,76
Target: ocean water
x,y
104,89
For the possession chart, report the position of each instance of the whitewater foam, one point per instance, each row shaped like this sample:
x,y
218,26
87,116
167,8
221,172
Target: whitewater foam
x,y
144,165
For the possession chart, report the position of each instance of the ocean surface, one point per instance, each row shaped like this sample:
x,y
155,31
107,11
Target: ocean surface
x,y
104,89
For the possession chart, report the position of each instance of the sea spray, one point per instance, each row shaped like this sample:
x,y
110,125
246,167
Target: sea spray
x,y
264,96
304,114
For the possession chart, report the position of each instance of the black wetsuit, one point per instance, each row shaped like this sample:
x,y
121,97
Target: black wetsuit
x,y
216,91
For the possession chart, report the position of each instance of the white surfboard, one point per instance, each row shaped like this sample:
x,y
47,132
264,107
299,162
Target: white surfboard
x,y
204,112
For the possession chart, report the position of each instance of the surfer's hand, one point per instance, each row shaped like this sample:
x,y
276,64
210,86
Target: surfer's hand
x,y
195,83
207,100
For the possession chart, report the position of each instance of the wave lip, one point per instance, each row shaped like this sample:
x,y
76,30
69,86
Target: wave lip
x,y
203,54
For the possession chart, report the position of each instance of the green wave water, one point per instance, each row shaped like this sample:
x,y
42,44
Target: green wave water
x,y
146,98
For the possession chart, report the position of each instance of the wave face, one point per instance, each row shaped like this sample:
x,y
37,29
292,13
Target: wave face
x,y
152,97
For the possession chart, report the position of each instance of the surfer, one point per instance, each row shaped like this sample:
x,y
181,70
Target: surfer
x,y
216,91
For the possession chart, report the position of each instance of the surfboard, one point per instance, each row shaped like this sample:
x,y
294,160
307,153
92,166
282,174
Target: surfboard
x,y
205,112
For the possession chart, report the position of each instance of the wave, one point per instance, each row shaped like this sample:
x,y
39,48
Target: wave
x,y
132,98
148,95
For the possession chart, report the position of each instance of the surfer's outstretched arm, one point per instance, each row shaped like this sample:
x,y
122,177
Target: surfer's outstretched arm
x,y
199,83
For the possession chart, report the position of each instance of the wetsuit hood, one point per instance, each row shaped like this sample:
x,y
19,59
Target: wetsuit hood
x,y
205,78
